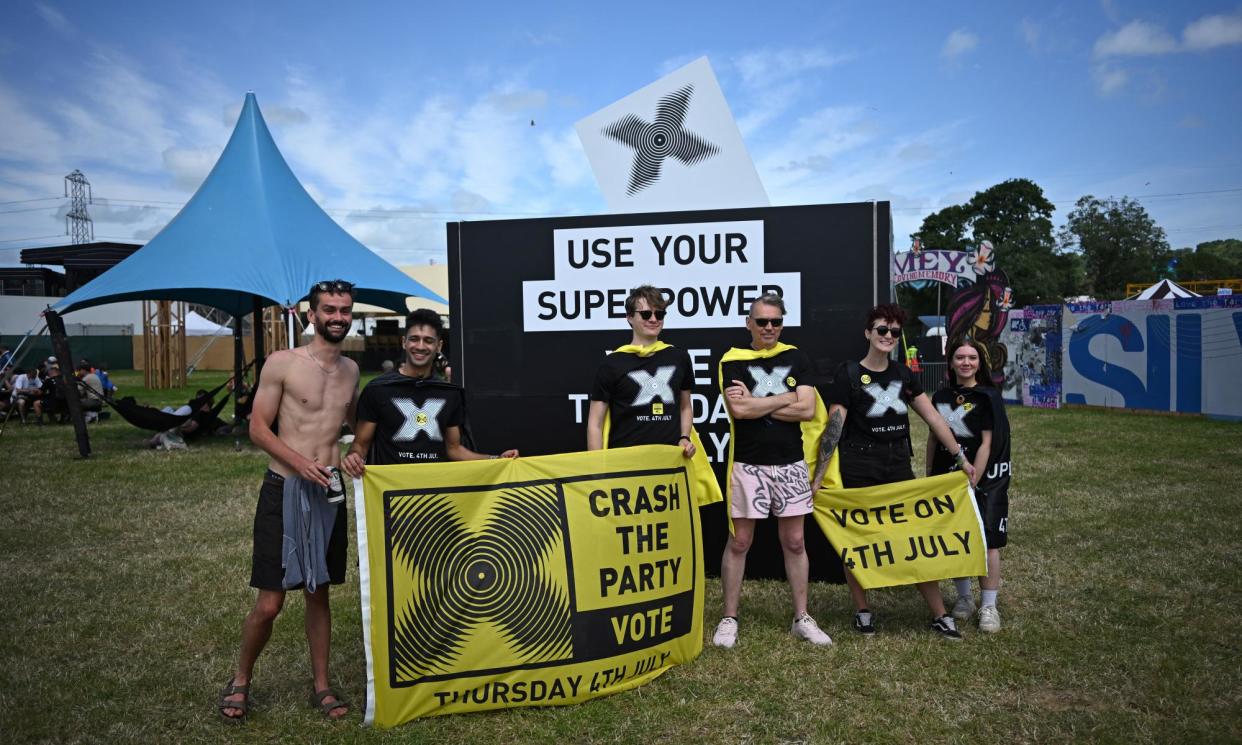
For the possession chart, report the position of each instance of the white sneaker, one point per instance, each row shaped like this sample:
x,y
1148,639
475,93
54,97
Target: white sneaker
x,y
804,627
964,608
726,633
989,619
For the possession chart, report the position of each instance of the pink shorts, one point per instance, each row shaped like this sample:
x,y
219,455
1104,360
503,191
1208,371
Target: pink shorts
x,y
781,491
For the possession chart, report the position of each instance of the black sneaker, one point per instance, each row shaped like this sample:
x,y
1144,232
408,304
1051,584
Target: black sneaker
x,y
864,622
946,627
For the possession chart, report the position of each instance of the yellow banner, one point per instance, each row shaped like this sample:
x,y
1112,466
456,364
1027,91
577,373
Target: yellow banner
x,y
906,532
526,582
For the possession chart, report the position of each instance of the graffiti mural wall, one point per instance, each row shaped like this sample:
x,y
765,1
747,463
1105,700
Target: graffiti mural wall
x,y
1033,369
1167,355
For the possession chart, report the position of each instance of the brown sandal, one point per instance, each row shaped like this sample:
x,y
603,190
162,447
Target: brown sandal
x,y
243,706
326,708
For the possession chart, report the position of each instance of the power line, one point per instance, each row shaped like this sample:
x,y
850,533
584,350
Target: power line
x,y
26,201
31,209
33,238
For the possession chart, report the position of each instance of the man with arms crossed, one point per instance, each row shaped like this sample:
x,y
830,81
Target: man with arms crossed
x,y
309,391
768,395
410,415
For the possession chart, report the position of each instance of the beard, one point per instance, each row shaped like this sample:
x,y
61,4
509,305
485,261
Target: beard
x,y
332,336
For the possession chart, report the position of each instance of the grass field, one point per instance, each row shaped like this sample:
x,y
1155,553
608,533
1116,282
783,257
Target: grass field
x,y
125,584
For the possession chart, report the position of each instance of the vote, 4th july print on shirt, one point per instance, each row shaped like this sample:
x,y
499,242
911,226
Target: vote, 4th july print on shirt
x,y
641,393
411,418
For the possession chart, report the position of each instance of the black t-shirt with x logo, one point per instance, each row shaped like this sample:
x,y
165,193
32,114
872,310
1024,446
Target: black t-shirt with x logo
x,y
968,412
877,403
767,441
642,393
411,415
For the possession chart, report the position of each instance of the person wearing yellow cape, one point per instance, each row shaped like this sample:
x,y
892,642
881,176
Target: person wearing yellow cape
x,y
641,394
868,416
768,394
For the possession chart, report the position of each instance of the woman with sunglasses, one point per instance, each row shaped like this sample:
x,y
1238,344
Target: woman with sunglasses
x,y
641,394
973,407
868,414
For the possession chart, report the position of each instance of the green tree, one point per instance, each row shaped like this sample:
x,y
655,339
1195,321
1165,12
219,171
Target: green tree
x,y
1017,218
1192,264
1229,249
1119,242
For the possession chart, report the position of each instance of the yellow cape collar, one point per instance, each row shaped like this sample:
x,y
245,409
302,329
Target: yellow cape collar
x,y
646,351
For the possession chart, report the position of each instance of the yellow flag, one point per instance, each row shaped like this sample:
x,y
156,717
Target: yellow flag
x,y
526,582
905,532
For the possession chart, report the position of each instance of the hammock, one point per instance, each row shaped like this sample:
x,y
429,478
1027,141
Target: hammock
x,y
156,420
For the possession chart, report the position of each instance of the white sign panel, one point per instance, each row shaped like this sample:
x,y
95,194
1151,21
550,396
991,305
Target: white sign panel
x,y
671,146
710,272
1166,355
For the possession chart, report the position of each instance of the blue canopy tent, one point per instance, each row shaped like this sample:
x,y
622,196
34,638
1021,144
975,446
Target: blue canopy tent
x,y
250,232
250,236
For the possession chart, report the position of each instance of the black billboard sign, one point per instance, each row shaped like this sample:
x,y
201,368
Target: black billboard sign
x,y
537,303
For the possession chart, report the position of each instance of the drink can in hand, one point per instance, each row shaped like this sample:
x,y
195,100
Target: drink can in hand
x,y
336,485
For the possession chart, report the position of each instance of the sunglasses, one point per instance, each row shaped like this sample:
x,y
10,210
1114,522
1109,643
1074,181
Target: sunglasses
x,y
334,285
893,331
647,314
765,322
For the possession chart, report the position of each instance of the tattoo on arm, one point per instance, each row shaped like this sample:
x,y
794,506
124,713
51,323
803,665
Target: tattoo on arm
x,y
828,444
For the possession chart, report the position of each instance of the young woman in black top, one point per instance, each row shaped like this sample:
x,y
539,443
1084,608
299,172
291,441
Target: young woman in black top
x,y
868,414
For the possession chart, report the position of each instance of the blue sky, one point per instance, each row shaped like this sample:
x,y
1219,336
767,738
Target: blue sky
x,y
399,117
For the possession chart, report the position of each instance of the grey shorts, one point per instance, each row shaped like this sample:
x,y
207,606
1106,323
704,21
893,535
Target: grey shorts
x,y
756,492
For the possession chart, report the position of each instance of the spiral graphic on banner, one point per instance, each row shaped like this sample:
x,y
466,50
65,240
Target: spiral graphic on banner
x,y
657,140
496,574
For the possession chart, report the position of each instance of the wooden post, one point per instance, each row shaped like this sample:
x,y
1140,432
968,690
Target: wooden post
x,y
68,383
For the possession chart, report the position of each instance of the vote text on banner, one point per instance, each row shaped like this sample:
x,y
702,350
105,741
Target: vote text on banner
x,y
526,582
906,532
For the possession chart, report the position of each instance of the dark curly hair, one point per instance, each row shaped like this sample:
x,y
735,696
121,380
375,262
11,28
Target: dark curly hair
x,y
886,312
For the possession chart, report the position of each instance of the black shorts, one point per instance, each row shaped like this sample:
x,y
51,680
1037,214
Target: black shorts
x,y
872,463
994,509
266,571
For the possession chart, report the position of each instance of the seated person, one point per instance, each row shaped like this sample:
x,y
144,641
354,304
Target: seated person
x,y
26,388
6,389
109,387
51,400
90,390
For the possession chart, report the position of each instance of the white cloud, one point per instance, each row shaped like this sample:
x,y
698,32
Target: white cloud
x,y
54,18
1213,31
1031,31
566,158
26,135
762,68
189,166
1136,38
1109,79
960,42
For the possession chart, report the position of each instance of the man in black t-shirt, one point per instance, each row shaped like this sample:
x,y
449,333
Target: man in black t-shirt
x,y
768,395
641,394
408,415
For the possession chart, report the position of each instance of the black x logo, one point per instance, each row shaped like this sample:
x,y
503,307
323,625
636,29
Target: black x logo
x,y
663,138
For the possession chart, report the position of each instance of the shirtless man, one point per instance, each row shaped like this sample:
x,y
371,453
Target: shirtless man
x,y
310,391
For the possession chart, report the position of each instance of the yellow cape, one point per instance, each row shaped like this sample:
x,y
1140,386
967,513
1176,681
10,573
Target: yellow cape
x,y
703,481
811,430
